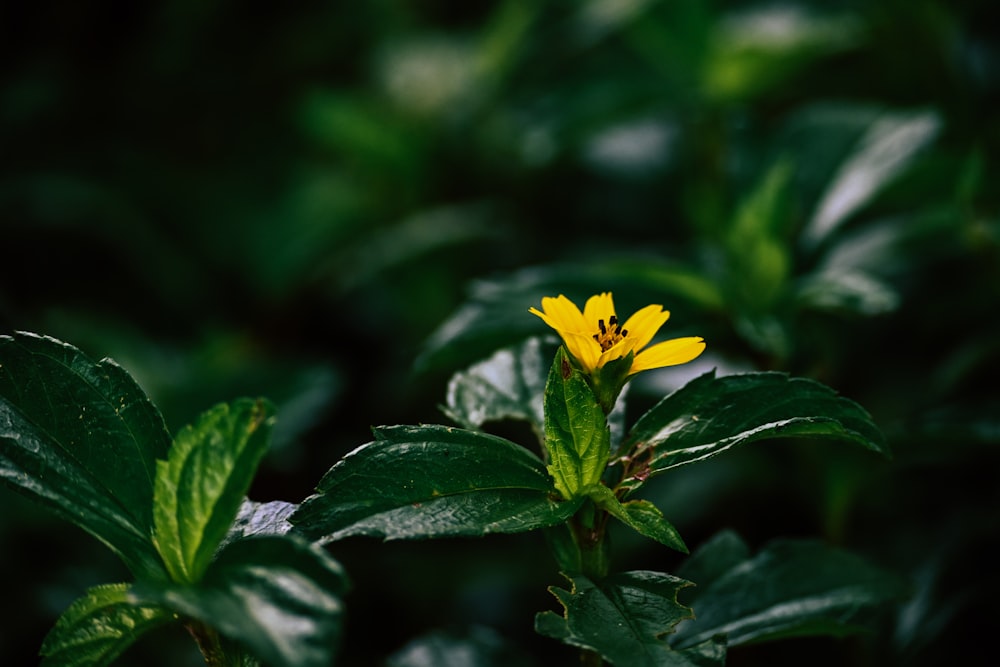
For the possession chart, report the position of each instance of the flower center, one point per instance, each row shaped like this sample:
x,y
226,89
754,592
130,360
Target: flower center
x,y
610,334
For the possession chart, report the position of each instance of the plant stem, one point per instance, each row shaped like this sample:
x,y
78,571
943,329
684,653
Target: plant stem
x,y
589,530
208,643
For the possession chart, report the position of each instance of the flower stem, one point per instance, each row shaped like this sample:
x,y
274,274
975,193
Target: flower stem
x,y
589,531
588,527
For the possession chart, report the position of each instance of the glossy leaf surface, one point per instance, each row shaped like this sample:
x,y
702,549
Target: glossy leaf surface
x,y
259,519
432,481
625,618
641,515
577,437
710,415
791,588
82,438
508,385
279,597
201,485
97,628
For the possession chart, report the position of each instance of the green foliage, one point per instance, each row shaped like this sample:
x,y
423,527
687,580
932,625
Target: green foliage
x,y
888,147
640,515
508,385
791,588
761,264
432,481
81,438
239,575
608,381
811,186
279,596
97,628
90,422
711,415
625,619
744,61
758,254
201,485
577,438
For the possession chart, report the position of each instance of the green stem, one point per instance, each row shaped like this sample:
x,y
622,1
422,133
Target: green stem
x,y
589,529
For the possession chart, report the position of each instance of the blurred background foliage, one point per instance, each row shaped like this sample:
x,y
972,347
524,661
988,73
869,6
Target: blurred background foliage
x,y
338,205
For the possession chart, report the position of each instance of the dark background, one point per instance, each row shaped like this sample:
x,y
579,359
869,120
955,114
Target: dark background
x,y
290,199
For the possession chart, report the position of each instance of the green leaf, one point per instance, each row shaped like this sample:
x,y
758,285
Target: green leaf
x,y
508,385
757,250
97,628
577,437
791,588
624,618
511,385
278,596
709,653
81,438
348,265
710,415
849,291
641,515
889,146
352,126
713,559
747,57
608,381
432,481
201,485
564,547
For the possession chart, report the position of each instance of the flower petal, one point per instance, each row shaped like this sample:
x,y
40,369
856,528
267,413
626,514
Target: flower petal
x,y
584,349
598,307
668,353
578,329
644,324
561,314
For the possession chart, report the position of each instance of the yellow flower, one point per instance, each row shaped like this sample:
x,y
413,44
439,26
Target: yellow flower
x,y
596,336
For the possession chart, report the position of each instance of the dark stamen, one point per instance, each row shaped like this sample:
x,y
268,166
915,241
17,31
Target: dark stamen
x,y
604,329
624,332
597,338
613,320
